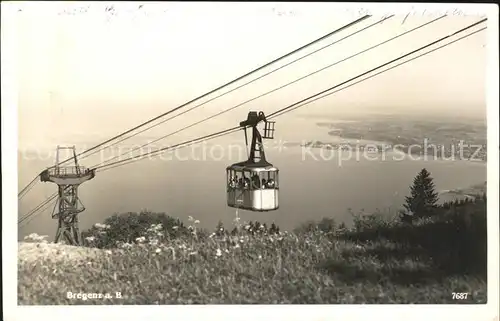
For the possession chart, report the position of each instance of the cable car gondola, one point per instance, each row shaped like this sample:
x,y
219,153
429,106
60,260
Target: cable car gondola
x,y
253,184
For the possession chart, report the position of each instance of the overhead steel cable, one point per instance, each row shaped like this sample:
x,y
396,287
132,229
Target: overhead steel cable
x,y
351,24
44,206
281,111
282,86
376,74
358,20
245,84
28,187
301,102
37,208
345,27
307,100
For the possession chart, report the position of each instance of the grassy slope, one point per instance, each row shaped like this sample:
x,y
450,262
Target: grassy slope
x,y
382,266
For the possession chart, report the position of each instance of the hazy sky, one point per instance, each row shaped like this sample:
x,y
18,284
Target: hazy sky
x,y
95,74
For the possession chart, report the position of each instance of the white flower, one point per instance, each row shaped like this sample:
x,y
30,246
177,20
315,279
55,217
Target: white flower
x,y
226,250
158,250
175,227
126,245
90,238
196,222
193,253
260,256
218,253
101,226
108,252
140,239
36,237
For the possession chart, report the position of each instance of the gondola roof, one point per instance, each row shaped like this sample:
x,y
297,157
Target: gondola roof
x,y
260,165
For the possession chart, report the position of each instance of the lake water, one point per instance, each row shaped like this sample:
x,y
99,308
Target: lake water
x,y
310,189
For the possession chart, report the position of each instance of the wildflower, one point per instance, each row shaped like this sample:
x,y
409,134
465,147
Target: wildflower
x,y
140,239
90,238
173,251
218,253
196,222
35,237
236,246
158,250
212,235
101,226
260,257
192,253
190,218
126,245
226,250
175,227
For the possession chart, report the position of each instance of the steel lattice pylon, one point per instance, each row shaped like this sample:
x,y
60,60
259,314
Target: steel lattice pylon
x,y
68,205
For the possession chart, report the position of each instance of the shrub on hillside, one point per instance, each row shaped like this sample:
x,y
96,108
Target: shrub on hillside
x,y
325,225
127,227
454,238
363,221
146,226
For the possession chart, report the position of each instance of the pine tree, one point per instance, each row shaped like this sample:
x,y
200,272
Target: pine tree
x,y
423,198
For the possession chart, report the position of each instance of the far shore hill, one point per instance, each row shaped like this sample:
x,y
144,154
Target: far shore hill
x,y
448,139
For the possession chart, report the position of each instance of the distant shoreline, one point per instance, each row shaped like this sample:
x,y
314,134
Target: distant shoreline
x,y
385,147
